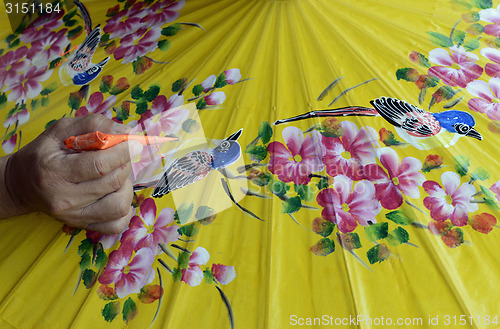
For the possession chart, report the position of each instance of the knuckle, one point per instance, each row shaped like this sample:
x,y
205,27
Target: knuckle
x,y
61,124
58,207
99,166
117,182
118,227
122,207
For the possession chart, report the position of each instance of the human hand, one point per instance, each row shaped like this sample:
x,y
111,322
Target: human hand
x,y
89,190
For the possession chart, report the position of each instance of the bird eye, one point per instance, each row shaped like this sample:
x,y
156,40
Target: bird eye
x,y
224,146
462,128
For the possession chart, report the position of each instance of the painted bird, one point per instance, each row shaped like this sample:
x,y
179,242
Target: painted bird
x,y
422,129
78,69
196,165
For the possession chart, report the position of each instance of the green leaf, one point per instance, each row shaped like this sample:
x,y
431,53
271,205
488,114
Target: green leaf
x,y
89,278
377,231
191,126
48,89
458,36
86,247
111,310
171,30
397,236
262,179
220,81
323,183
74,32
472,44
197,90
152,92
480,174
70,23
45,101
3,100
278,188
291,205
482,4
129,310
399,217
461,164
305,192
69,15
407,74
177,274
203,212
208,275
265,132
184,212
378,253
349,241
50,123
35,104
137,92
101,259
14,43
183,260
164,45
141,106
492,204
257,153
105,37
177,85
322,226
440,39
201,104
323,247
465,4
189,230
85,262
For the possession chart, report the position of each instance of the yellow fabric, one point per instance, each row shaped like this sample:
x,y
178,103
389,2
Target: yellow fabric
x,y
290,51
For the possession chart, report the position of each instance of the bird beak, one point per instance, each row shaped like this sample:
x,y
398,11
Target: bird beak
x,y
475,134
235,136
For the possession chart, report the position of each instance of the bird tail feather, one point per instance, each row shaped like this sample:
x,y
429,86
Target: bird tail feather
x,y
345,111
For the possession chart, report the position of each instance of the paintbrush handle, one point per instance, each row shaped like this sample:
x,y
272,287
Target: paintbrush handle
x,y
100,141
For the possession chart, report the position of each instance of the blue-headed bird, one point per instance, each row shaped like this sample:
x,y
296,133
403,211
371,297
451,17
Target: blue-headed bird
x,y
78,69
195,165
422,129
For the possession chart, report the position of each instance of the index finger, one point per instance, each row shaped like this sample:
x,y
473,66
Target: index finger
x,y
94,164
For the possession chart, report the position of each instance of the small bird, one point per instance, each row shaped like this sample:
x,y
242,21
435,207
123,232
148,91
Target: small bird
x,y
196,165
78,68
422,129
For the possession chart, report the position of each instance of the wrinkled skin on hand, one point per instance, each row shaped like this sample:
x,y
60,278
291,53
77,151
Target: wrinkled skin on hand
x,y
89,190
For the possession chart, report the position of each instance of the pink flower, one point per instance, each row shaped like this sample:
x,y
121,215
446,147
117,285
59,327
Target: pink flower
x,y
495,188
491,15
452,202
208,82
45,50
12,64
20,116
346,206
107,240
129,274
27,85
455,70
215,98
492,69
42,27
163,12
232,76
9,145
222,273
193,275
299,158
400,178
137,44
489,94
148,231
346,155
125,22
95,104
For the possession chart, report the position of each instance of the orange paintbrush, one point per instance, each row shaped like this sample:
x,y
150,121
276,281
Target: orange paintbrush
x,y
100,141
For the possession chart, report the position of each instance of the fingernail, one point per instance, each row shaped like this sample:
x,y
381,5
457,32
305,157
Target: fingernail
x,y
135,148
121,129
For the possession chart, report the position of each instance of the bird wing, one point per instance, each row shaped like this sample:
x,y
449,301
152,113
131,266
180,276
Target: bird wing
x,y
184,171
404,115
83,55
